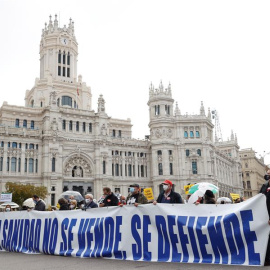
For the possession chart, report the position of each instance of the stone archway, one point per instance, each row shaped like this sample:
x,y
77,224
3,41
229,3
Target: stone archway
x,y
77,166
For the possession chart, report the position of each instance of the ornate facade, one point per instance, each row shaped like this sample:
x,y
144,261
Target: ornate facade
x,y
59,141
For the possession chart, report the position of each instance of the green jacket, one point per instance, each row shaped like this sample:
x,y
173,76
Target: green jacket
x,y
141,198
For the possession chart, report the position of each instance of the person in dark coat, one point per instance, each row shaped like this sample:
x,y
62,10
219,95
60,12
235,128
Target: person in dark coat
x,y
63,204
265,189
39,204
209,197
110,199
89,203
168,195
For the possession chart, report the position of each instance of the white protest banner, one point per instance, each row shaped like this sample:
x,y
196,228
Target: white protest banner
x,y
234,234
6,197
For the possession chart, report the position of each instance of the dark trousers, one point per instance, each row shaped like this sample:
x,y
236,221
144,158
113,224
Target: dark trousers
x,y
267,256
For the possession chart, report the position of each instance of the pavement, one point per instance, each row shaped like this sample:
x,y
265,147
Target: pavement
x,y
19,261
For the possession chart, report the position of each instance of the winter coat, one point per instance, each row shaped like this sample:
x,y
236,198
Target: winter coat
x,y
141,198
174,197
40,206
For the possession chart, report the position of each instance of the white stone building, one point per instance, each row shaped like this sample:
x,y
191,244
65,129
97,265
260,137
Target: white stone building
x,y
60,141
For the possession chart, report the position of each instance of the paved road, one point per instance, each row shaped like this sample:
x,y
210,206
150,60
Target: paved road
x,y
18,261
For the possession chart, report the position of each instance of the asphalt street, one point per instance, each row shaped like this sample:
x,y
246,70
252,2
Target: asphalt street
x,y
19,261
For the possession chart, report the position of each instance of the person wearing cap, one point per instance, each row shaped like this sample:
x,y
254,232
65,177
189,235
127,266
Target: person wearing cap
x,y
168,195
135,197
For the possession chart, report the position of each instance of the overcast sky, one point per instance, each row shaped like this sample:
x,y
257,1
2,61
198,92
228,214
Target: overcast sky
x,y
215,51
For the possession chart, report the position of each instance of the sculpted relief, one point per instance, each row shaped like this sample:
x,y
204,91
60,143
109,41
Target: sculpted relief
x,y
77,167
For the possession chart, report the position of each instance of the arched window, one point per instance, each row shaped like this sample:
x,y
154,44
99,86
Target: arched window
x,y
8,164
199,152
194,167
197,134
25,123
186,134
31,146
187,152
13,164
77,126
31,165
32,103
17,123
113,133
70,125
2,144
66,100
59,57
64,124
191,134
90,127
41,104
53,164
26,146
159,152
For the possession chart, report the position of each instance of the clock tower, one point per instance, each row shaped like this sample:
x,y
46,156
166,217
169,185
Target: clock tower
x,y
58,51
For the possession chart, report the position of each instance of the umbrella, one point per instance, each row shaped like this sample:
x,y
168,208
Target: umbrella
x,y
203,187
225,199
195,196
12,204
29,203
77,195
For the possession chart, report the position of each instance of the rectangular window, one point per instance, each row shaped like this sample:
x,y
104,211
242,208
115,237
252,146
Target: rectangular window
x,y
90,127
64,72
70,125
125,169
32,124
31,165
1,164
113,133
25,123
68,72
170,152
17,123
104,167
117,169
77,126
121,171
142,171
19,165
171,169
187,153
13,164
52,199
59,71
36,167
167,109
59,57
119,133
64,124
133,170
113,169
160,169
53,164
64,58
145,171
194,167
138,170
68,59
83,127
129,170
8,164
25,165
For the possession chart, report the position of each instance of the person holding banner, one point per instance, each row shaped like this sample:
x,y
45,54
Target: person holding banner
x,y
89,203
110,199
265,189
135,197
39,204
168,195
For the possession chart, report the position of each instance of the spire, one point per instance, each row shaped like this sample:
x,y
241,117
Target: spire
x,y
101,104
151,89
202,112
177,110
169,89
232,136
50,27
55,23
209,113
161,86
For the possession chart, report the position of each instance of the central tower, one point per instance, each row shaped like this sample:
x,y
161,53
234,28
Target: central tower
x,y
58,51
